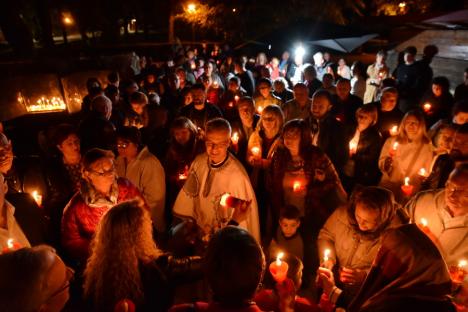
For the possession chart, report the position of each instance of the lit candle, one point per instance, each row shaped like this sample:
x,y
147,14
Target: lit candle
x,y
231,104
193,66
459,272
255,151
394,130
407,188
393,150
352,147
381,74
236,98
260,109
279,269
184,174
326,255
227,200
215,84
11,246
424,222
427,107
297,186
37,197
235,138
422,172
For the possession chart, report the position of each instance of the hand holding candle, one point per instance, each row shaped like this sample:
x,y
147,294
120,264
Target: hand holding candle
x,y
255,151
407,188
427,108
279,269
394,149
326,261
11,246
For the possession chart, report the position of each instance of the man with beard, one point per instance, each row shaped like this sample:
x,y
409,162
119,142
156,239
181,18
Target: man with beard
x,y
445,163
200,111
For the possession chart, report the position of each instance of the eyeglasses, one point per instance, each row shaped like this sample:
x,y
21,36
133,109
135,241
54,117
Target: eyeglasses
x,y
106,173
69,274
123,145
212,145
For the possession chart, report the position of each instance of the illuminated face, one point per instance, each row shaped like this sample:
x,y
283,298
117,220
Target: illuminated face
x,y
278,86
246,113
199,97
101,175
368,219
70,147
264,89
437,90
364,121
138,108
409,58
182,135
461,118
456,194
209,69
460,146
127,149
289,226
320,106
269,121
233,86
292,140
388,101
445,139
217,143
411,127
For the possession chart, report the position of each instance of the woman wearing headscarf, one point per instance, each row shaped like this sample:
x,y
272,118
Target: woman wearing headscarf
x,y
408,274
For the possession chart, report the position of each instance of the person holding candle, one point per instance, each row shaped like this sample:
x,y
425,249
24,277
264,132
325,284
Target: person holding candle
x,y
100,190
376,72
264,96
212,175
137,164
345,104
266,138
184,145
437,103
230,99
414,151
407,274
352,235
10,230
125,263
389,115
446,212
365,145
245,126
287,237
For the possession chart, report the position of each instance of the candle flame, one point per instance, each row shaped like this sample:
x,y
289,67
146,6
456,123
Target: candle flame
x,y
424,221
394,130
352,146
462,263
407,181
255,150
427,107
235,138
260,109
422,172
297,186
279,256
326,254
236,98
223,200
10,243
395,146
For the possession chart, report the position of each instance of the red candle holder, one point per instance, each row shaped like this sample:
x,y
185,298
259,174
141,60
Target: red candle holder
x,y
407,188
459,272
279,269
11,246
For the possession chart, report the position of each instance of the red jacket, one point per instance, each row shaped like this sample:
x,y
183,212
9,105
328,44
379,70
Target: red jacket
x,y
79,220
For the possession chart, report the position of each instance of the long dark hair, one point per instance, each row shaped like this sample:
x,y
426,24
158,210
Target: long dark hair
x,y
301,126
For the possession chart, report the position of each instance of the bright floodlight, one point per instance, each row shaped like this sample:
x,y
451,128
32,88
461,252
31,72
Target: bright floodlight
x,y
299,52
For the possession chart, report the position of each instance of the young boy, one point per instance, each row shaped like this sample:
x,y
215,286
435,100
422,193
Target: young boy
x,y
287,238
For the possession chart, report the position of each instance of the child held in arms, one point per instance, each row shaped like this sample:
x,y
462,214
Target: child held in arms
x,y
287,238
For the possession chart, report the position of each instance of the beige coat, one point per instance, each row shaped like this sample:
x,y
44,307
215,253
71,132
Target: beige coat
x,y
147,174
348,247
373,81
450,233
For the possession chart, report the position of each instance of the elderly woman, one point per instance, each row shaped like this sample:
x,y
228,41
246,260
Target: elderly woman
x,y
407,274
352,235
405,154
125,263
364,149
261,148
100,189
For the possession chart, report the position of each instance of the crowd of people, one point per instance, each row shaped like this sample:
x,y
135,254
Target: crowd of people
x,y
180,184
